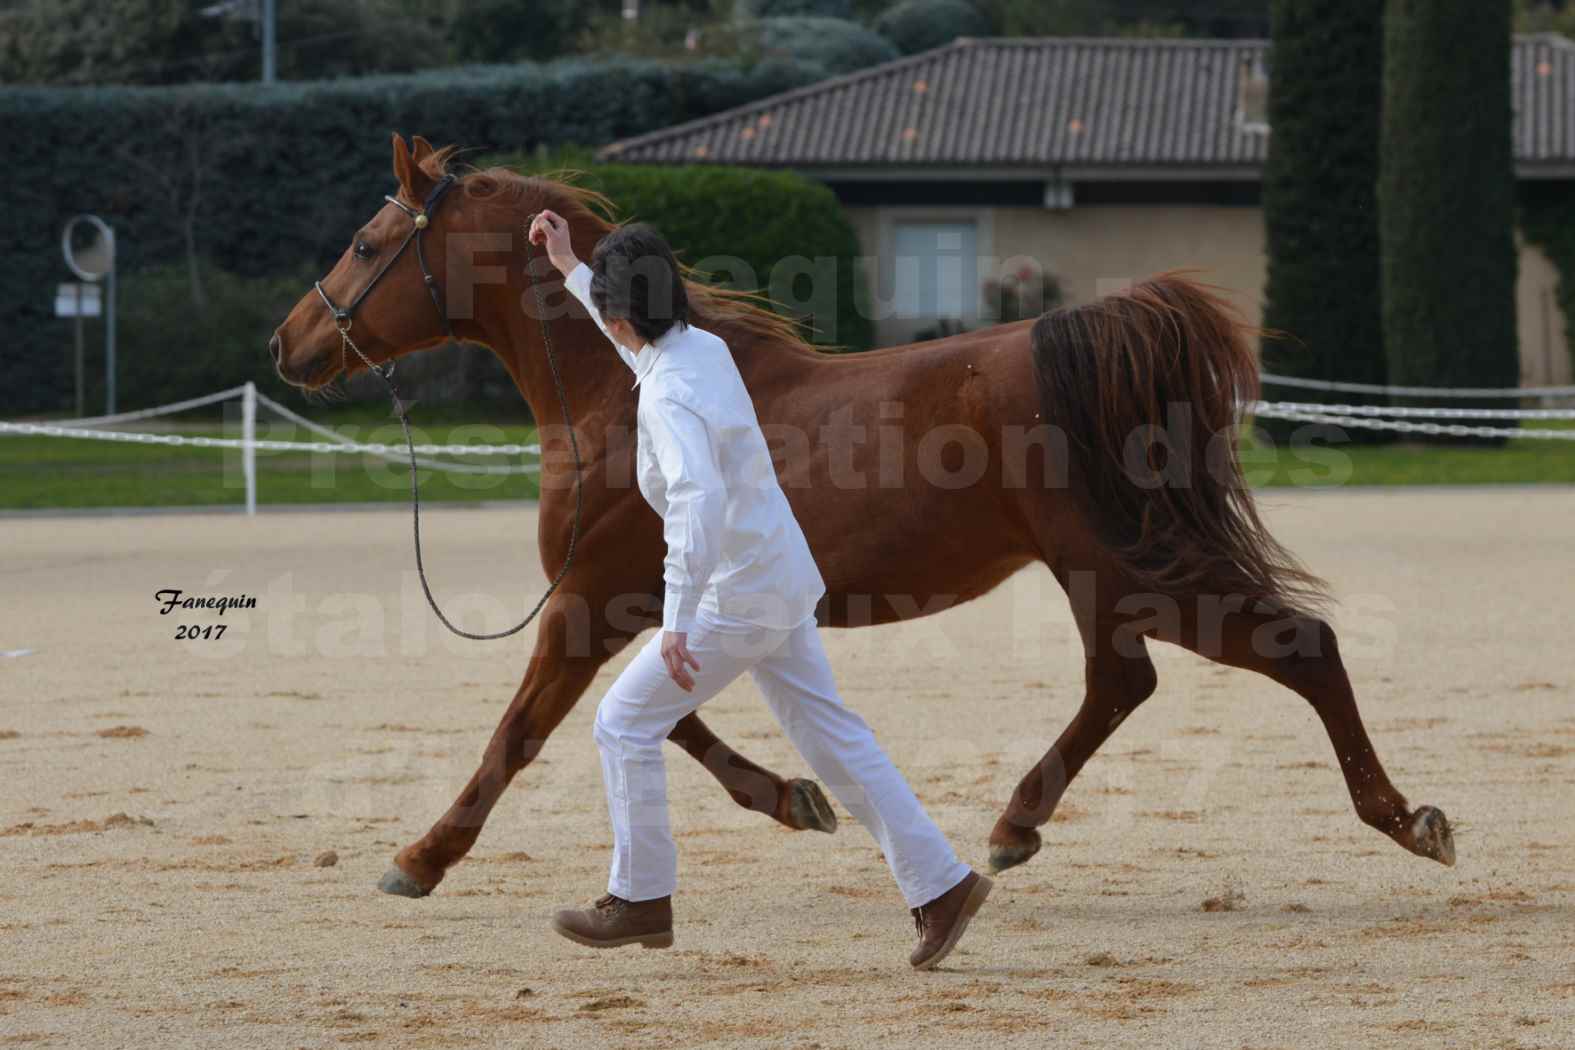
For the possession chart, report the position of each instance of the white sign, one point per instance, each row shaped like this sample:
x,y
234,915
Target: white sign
x,y
79,300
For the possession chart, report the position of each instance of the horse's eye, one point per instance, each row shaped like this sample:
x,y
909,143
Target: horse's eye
x,y
364,250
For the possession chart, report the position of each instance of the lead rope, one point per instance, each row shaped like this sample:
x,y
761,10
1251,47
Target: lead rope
x,y
386,374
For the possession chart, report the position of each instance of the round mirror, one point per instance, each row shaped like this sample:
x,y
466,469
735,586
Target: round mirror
x,y
89,247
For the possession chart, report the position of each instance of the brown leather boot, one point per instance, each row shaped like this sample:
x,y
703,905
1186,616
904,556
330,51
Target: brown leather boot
x,y
942,921
613,922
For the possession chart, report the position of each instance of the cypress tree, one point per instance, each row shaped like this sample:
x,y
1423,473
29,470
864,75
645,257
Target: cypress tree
x,y
1320,200
1447,195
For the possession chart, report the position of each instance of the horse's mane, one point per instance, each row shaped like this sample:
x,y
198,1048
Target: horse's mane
x,y
741,318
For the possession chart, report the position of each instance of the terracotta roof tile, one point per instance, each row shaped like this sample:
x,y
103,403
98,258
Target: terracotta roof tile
x,y
1055,101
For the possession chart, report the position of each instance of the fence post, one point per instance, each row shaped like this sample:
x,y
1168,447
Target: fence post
x,y
249,452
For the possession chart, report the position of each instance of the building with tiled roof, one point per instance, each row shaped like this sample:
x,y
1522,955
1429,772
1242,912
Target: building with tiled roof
x,y
1104,160
1076,108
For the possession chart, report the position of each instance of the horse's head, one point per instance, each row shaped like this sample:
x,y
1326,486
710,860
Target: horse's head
x,y
391,293
378,293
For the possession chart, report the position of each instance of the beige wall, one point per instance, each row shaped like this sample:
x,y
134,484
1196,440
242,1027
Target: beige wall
x,y
1094,250
1544,353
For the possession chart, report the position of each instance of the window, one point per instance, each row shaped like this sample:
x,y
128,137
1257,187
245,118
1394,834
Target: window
x,y
935,269
1252,98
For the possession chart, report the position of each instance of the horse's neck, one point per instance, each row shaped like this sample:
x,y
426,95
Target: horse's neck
x,y
592,373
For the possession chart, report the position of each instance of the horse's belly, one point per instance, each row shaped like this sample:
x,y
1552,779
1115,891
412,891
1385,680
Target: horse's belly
x,y
907,570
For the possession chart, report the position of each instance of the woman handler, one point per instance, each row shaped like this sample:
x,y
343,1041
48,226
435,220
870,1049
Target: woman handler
x,y
741,590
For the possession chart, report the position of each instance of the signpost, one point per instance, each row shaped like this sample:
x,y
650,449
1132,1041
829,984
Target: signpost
x,y
270,41
77,301
89,247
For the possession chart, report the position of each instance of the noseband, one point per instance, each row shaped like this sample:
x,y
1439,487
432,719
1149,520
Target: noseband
x,y
344,317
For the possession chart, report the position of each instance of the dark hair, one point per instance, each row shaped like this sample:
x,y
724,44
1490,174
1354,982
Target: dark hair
x,y
635,278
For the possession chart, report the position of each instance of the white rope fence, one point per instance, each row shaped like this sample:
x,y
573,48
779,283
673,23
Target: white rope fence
x,y
1270,379
248,444
1273,410
399,453
395,452
158,410
1367,417
1398,412
1394,417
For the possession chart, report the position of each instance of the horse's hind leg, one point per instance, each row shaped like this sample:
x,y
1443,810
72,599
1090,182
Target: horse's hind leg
x,y
1118,677
1301,653
798,803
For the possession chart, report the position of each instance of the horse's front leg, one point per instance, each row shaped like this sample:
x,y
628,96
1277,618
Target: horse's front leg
x,y
571,647
568,653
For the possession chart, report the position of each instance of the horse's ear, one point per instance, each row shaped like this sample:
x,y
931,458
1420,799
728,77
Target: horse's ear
x,y
412,180
402,163
423,150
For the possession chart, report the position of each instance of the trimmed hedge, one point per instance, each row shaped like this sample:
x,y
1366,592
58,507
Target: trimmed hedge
x,y
919,25
1447,195
287,171
716,216
169,351
1320,200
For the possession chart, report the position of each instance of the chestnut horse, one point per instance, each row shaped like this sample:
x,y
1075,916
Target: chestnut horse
x,y
1168,547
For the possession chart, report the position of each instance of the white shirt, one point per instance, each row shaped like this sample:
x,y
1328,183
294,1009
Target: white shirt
x,y
734,549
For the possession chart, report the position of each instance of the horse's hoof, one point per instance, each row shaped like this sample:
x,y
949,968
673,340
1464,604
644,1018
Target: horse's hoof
x,y
808,808
1005,855
1431,836
396,882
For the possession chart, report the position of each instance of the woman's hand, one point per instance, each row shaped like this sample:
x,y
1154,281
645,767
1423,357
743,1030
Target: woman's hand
x,y
675,654
550,229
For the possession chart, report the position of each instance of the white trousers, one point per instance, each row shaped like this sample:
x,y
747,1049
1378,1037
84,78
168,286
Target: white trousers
x,y
791,669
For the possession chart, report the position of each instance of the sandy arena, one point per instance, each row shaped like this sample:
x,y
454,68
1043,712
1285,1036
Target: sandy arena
x,y
164,805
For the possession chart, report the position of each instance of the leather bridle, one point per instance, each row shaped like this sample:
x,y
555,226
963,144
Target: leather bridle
x,y
344,317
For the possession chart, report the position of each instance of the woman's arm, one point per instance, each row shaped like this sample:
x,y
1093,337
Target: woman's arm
x,y
550,229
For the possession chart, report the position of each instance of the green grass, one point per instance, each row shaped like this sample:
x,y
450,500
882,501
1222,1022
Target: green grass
x,y
46,472
37,472
1520,461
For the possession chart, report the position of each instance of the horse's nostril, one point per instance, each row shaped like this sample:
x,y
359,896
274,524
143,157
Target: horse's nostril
x,y
276,349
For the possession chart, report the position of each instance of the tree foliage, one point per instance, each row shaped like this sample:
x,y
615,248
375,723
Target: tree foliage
x,y
1320,196
1447,195
1218,18
919,25
752,230
831,44
172,41
795,8
283,176
1545,16
511,30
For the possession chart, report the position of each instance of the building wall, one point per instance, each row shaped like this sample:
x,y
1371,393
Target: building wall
x,y
1096,249
1544,350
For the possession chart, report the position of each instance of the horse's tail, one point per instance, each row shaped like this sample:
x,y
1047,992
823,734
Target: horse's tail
x,y
1146,385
